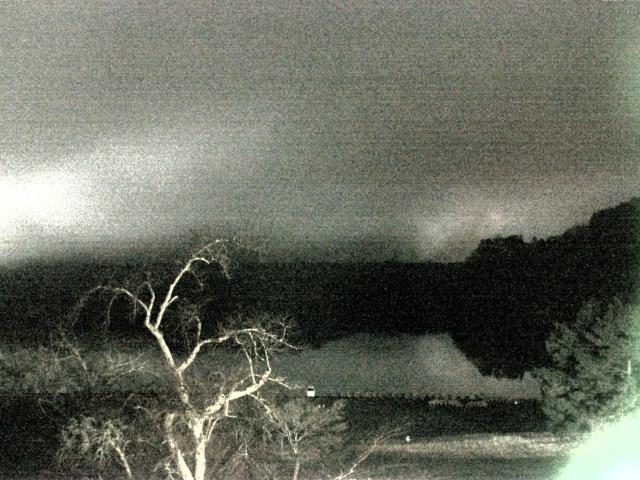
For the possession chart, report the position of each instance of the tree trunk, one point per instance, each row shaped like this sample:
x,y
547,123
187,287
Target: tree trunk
x,y
200,458
183,469
296,470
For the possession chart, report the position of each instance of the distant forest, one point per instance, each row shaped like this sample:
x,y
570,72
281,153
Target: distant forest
x,y
499,305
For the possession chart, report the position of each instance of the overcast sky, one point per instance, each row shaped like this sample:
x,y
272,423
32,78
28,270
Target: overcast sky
x,y
420,127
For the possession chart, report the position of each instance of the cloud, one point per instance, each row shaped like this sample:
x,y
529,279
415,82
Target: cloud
x,y
428,365
38,207
324,120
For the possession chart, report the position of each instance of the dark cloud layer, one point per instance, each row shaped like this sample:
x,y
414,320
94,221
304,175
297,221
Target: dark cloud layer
x,y
422,126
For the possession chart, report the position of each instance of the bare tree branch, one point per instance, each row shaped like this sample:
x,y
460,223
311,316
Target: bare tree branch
x,y
373,445
187,428
196,349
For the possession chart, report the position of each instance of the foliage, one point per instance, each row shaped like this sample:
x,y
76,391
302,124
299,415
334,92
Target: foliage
x,y
97,441
30,371
594,378
308,431
70,365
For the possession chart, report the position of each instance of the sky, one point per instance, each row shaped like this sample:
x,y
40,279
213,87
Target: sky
x,y
329,130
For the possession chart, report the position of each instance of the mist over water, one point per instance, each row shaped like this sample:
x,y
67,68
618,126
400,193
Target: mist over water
x,y
426,365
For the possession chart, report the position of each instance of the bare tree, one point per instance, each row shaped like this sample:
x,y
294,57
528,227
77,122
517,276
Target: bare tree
x,y
309,430
187,425
313,435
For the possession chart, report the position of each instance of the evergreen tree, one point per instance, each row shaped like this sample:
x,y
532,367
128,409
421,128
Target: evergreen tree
x,y
594,378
